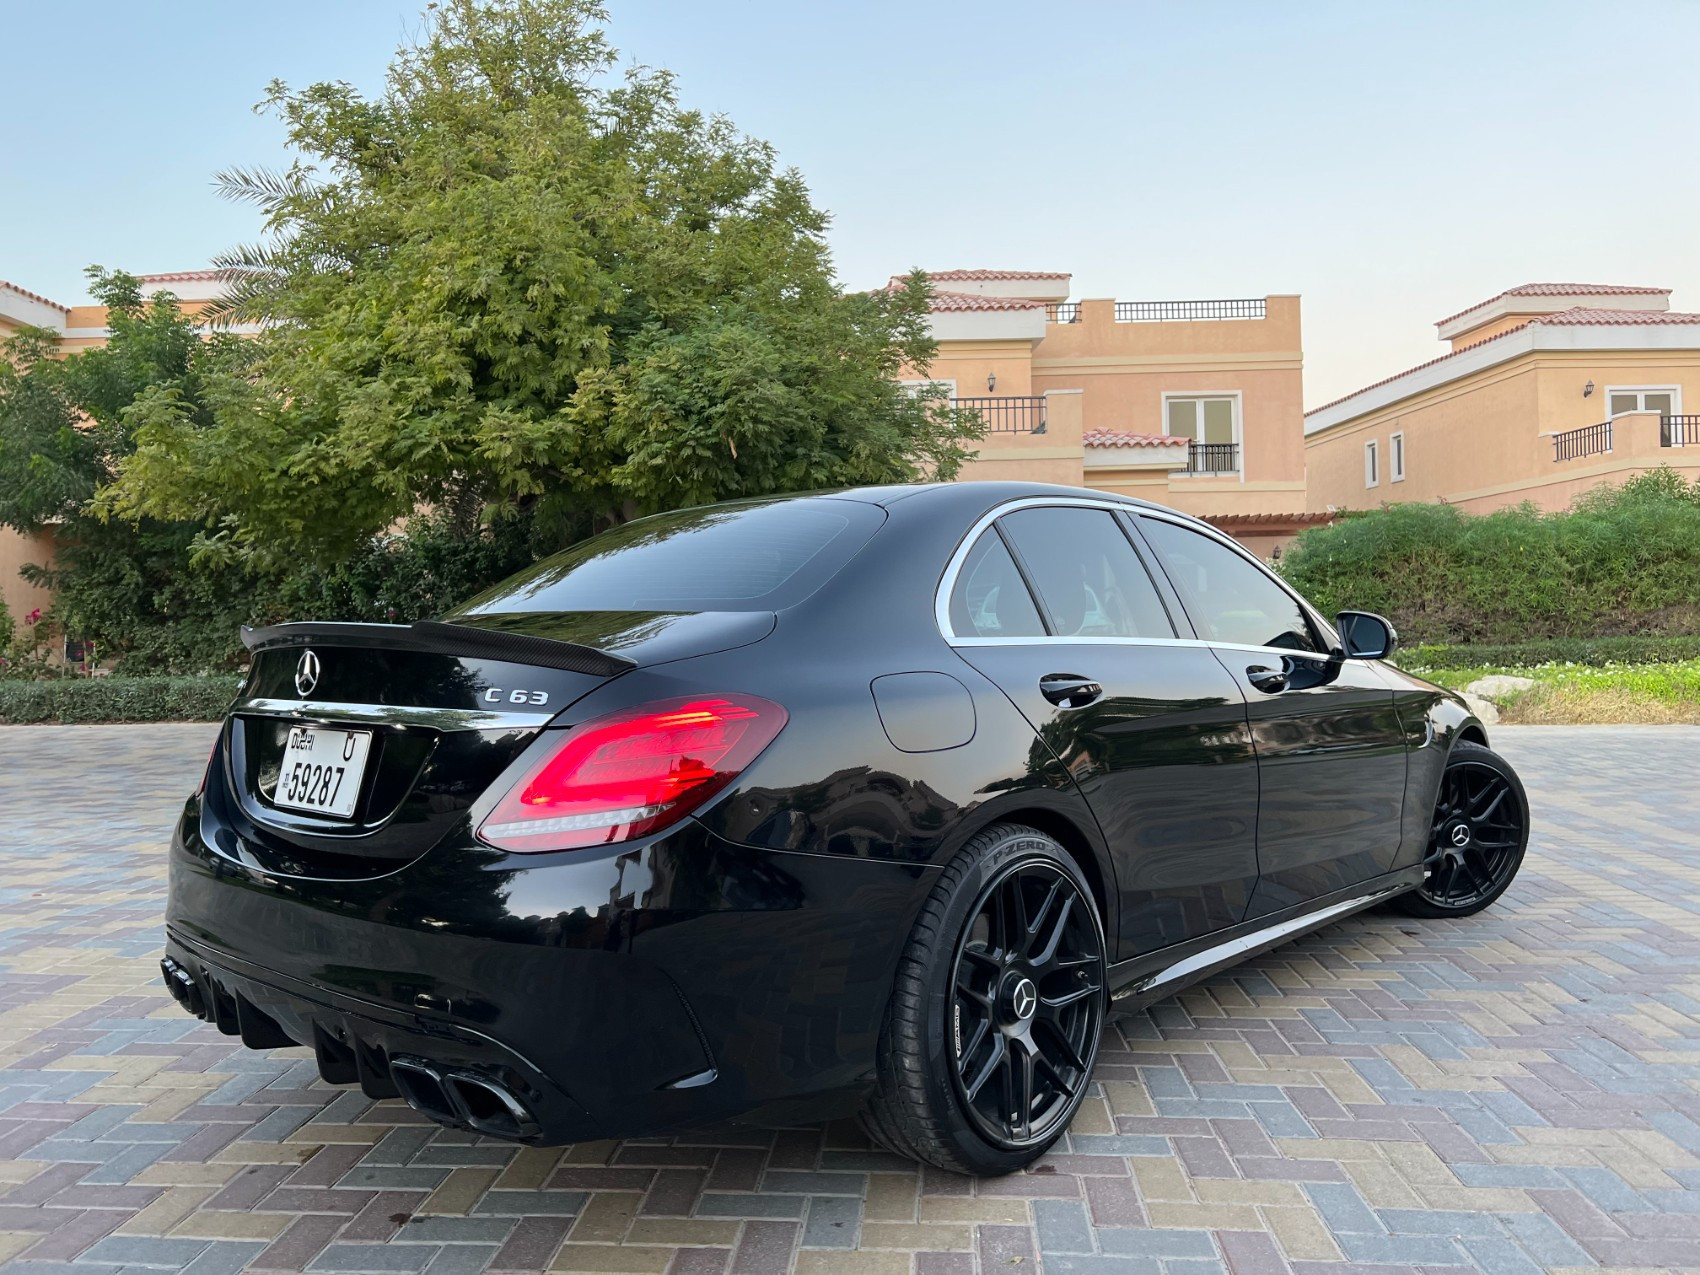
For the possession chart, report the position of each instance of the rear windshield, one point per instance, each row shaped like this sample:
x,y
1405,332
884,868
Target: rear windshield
x,y
754,557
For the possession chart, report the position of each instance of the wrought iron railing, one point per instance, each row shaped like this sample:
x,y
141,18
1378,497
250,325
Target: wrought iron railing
x,y
1587,441
1062,312
1172,311
1679,431
1212,458
1008,413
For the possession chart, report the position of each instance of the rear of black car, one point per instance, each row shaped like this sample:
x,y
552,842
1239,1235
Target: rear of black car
x,y
461,861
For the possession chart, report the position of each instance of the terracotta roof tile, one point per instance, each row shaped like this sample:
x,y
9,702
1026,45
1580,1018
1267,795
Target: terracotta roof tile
x,y
1463,349
974,301
182,276
1557,290
962,276
1592,314
34,296
1122,438
1576,316
971,300
1254,520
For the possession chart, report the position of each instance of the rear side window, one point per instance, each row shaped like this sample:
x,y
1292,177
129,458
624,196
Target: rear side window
x,y
990,598
1087,575
754,557
1228,598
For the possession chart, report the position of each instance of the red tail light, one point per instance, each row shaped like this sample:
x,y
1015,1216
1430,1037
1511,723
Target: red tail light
x,y
633,772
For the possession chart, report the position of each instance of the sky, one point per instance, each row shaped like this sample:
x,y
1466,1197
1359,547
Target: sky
x,y
1391,162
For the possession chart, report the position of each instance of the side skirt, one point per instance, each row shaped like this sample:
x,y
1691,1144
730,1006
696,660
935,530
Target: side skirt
x,y
1138,982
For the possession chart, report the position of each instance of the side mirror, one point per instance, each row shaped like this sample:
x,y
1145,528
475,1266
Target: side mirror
x,y
1365,635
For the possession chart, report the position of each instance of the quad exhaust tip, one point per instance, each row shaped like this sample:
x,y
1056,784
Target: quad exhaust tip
x,y
463,1099
183,987
458,1097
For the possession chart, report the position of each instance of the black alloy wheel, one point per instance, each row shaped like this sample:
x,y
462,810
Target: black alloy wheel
x,y
1477,839
999,1004
1028,1003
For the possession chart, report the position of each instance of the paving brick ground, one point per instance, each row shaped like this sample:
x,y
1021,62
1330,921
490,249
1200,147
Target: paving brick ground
x,y
1509,1093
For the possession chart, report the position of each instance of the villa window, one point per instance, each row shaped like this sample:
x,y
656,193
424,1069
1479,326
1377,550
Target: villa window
x,y
916,386
1372,459
1212,423
1396,457
1666,400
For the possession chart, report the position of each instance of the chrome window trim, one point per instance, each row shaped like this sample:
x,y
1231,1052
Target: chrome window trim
x,y
391,714
953,568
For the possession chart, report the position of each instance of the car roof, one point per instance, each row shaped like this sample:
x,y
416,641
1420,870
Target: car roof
x,y
974,495
987,492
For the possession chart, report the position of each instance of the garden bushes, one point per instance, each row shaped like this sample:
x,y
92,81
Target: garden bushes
x,y
1588,652
1622,561
116,699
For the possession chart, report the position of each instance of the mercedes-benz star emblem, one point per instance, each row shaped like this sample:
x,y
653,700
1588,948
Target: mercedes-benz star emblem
x,y
306,674
1024,999
1461,836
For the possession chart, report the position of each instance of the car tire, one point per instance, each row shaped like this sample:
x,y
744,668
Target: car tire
x,y
1041,1001
1478,837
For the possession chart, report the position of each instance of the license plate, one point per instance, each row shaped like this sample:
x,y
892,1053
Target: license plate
x,y
322,768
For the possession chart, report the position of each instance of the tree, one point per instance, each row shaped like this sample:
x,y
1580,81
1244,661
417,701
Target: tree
x,y
65,431
518,280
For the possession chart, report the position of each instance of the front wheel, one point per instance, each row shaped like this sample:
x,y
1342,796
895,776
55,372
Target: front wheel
x,y
994,1023
1477,839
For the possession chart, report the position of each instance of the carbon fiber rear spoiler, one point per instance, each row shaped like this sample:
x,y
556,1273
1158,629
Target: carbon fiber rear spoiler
x,y
442,639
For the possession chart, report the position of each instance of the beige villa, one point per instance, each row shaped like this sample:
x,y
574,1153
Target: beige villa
x,y
1547,390
1194,404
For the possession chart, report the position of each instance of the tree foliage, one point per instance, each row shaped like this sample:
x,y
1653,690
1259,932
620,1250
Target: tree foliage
x,y
518,279
65,430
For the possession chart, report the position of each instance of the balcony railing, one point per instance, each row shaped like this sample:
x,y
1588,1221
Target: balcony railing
x,y
1213,458
1173,311
1679,431
1062,312
1008,413
1590,440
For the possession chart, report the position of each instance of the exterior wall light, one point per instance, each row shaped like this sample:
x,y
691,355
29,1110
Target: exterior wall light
x,y
1588,390
992,382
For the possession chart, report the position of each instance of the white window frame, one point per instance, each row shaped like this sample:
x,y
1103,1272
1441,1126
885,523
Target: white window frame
x,y
1396,456
1236,398
913,385
1372,464
1641,391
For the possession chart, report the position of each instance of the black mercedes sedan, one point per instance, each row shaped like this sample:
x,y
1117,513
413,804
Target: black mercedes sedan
x,y
873,801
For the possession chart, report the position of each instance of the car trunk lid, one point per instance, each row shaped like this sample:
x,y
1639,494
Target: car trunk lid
x,y
438,710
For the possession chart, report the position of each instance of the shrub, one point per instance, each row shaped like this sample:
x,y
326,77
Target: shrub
x,y
1590,652
1621,561
117,699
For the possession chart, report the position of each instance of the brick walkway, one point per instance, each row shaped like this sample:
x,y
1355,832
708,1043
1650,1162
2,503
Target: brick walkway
x,y
1514,1092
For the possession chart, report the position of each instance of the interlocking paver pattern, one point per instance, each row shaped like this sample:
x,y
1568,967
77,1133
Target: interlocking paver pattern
x,y
1514,1092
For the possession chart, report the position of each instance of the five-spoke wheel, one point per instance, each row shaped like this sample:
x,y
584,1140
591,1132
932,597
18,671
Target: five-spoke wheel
x,y
1477,839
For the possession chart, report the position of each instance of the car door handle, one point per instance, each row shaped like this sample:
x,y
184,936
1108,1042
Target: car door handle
x,y
1069,690
1268,680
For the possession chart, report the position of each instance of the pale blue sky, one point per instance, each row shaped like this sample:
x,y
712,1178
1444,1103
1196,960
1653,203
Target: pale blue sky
x,y
1392,162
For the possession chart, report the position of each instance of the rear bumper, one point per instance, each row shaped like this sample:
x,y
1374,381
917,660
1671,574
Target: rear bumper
x,y
677,982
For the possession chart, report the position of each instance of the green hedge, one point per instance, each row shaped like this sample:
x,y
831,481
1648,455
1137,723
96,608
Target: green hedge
x,y
117,699
1622,561
1593,652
